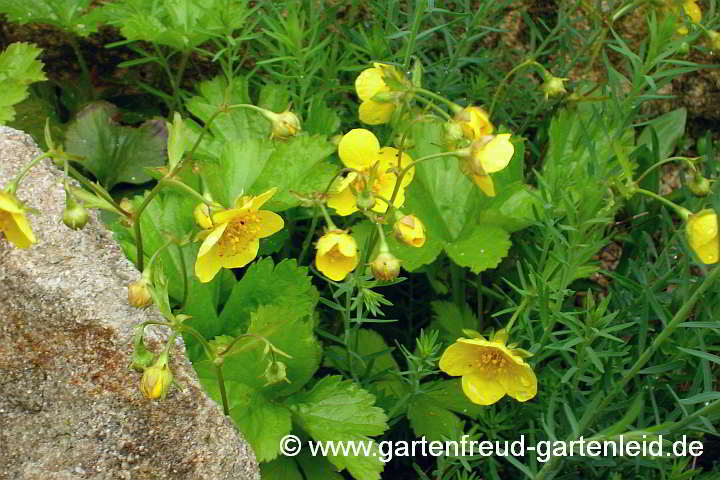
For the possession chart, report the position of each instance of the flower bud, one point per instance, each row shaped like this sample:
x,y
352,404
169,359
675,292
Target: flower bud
x,y
156,379
201,214
75,216
713,41
699,185
127,205
275,372
410,231
553,86
139,294
385,267
284,125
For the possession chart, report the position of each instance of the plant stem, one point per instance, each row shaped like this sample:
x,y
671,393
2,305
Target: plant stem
x,y
430,104
663,162
221,386
12,186
419,11
454,107
683,212
83,65
503,84
309,236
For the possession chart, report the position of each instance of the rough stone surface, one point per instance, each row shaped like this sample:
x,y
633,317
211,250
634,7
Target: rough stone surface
x,y
70,408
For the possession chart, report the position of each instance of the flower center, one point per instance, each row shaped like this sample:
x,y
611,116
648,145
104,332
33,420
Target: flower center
x,y
335,254
492,360
239,233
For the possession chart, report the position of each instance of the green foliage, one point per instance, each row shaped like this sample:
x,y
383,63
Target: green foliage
x,y
19,67
115,153
71,15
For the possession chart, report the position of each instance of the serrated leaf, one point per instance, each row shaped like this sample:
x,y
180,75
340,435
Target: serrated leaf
x,y
430,419
264,283
66,14
336,410
449,394
112,152
288,331
482,249
450,320
263,423
298,164
19,67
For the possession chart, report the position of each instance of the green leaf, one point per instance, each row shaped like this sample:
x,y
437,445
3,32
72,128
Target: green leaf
x,y
316,468
112,152
321,118
669,127
19,67
482,249
264,283
450,320
282,468
369,345
430,419
263,423
298,164
287,330
67,14
336,410
180,24
449,394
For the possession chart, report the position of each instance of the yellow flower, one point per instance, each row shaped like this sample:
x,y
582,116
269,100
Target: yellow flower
x,y
702,233
232,242
490,369
336,254
693,11
368,84
485,156
359,149
410,230
13,223
475,122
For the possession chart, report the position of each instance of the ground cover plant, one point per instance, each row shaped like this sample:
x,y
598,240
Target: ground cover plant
x,y
390,221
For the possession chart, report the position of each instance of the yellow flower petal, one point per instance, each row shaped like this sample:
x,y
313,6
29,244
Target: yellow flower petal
x,y
485,183
375,113
458,359
335,267
212,238
370,82
208,265
388,158
240,258
693,11
702,233
343,202
9,204
496,154
359,149
270,223
520,382
336,254
482,388
17,229
259,201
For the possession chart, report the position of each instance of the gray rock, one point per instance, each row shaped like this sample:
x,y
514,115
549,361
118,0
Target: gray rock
x,y
69,406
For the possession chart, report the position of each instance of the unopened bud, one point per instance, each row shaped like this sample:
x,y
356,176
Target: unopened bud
x,y
383,97
409,230
127,205
139,294
385,267
714,41
284,125
453,132
275,372
75,216
553,86
156,380
699,185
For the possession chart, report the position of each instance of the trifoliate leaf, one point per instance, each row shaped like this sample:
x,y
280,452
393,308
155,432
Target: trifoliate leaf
x,y
112,152
431,419
336,410
482,249
19,67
